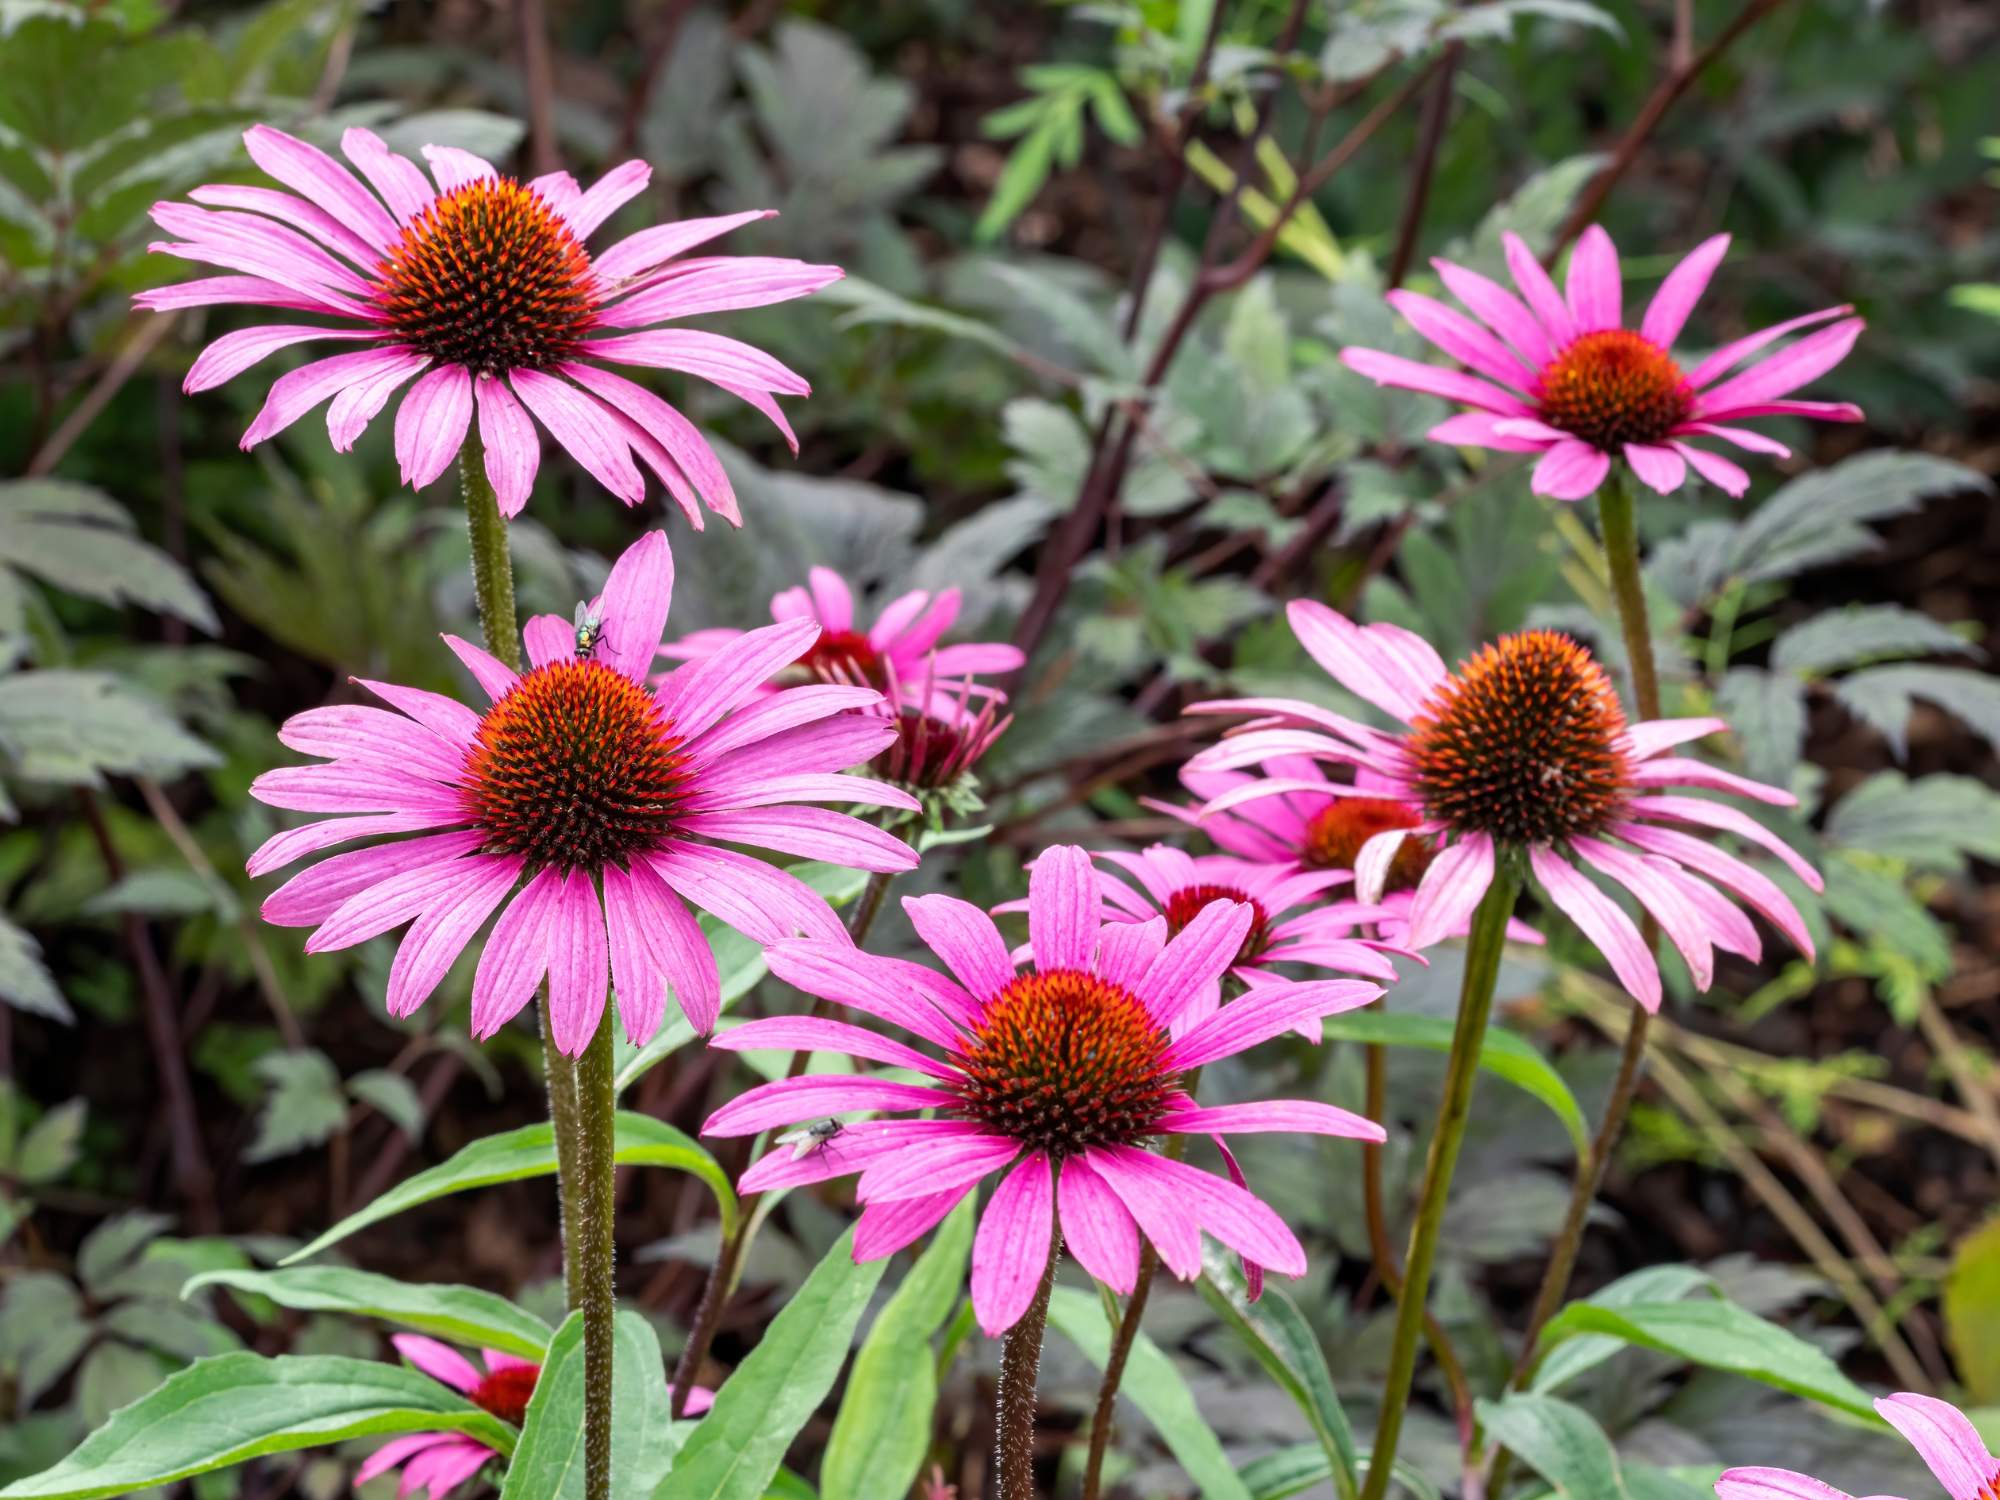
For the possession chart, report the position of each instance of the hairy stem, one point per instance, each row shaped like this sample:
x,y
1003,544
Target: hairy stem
x,y
586,1214
1475,1005
1020,1363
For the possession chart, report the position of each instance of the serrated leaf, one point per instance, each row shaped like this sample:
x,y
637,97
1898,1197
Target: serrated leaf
x,y
1767,711
50,1149
1154,1385
166,893
392,1096
72,727
548,1460
1882,698
1862,633
25,981
461,1314
1933,823
742,1439
81,541
1822,517
304,1107
236,1407
109,1247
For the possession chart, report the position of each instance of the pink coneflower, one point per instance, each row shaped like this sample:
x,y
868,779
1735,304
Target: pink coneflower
x,y
435,1464
612,797
1939,1431
901,647
480,290
1524,747
1057,1076
1564,378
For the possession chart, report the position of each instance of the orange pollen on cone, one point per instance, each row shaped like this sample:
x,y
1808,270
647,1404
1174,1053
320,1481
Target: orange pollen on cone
x,y
1187,903
489,277
505,1392
1337,831
1064,1061
1612,388
844,656
1521,743
575,767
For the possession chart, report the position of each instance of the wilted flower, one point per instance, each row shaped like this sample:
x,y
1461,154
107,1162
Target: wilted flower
x,y
1524,747
1942,1435
1564,378
611,796
1057,1076
481,286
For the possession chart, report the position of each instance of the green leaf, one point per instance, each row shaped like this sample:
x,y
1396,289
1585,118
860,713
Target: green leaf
x,y
1560,1442
530,1152
236,1407
548,1462
1279,1338
1862,633
82,542
1587,1351
111,1246
1722,1336
1933,823
742,1439
1972,1311
1767,710
1289,1471
1883,698
304,1107
72,727
1155,1386
1503,1054
393,1097
50,1148
883,1427
461,1314
1028,167
25,981
1821,517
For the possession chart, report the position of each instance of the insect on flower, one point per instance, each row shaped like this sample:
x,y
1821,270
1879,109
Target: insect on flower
x,y
589,626
817,1136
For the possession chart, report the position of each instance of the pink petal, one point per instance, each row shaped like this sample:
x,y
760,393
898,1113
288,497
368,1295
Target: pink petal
x,y
885,1228
1716,469
697,695
641,252
1674,771
836,971
1064,909
372,734
445,717
1731,355
516,955
386,904
1264,1013
1660,469
314,894
252,291
1775,1484
718,284
607,195
513,449
938,1165
790,1100
1011,1249
1742,437
1595,293
1677,916
354,408
641,910
1784,372
1600,919
966,939
1432,380
1237,1217
439,1361
765,904
1479,429
634,606
1649,737
585,430
771,716
856,1146
1196,958
322,180
454,168
1366,660
297,392
549,638
391,1453
1725,870
1499,309
815,1034
1730,820
1818,411
399,180
439,935
709,355
487,669
233,353
833,601
1541,292
1571,470
1288,1115
808,832
225,237
557,189
431,424
1944,1439
1668,312
291,210
1155,1199
1461,338
579,961
349,786
677,436
1125,950
1455,884
1097,1229
282,848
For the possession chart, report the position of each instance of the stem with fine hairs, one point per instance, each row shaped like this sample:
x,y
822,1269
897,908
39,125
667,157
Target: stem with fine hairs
x,y
1020,1364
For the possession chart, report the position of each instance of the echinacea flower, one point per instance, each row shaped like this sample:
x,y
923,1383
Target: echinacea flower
x,y
1942,1435
1057,1076
1563,377
479,288
435,1464
1523,748
900,648
611,797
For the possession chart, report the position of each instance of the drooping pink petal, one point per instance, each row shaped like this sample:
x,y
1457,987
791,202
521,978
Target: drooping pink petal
x,y
393,1452
1675,771
1659,468
1649,737
790,1100
1499,309
1288,1115
641,252
440,933
1782,373
1596,292
516,956
1946,1440
373,734
1717,470
1153,1199
310,171
1374,861
1742,437
1064,909
828,970
641,902
1461,338
387,903
439,1361
1668,312
1677,916
814,1034
885,1228
718,284
1451,888
513,448
764,903
354,408
438,1471
712,356
399,180
966,939
1570,471
922,1168
1539,290
1235,1216
1730,820
1818,411
233,353
431,424
487,669
280,849
1011,1248
297,392
808,832
1097,1228
1776,1484
1432,380
585,431
679,438
1726,870
1600,920
315,893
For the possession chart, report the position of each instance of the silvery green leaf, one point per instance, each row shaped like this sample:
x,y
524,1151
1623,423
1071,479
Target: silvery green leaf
x,y
109,1247
1933,823
1882,697
393,1096
25,981
1821,517
1495,21
79,540
1767,711
1863,633
479,131
50,1147
305,1105
175,893
72,727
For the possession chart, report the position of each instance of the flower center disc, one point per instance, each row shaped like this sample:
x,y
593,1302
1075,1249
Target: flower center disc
x,y
1612,388
575,767
1064,1061
1187,903
1337,831
489,277
505,1392
1521,743
844,656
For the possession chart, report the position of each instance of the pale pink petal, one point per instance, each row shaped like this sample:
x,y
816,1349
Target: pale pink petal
x,y
1946,1440
1649,737
1717,470
1723,920
1782,373
314,894
833,601
1461,338
790,1100
885,1228
1156,1200
966,939
1675,771
1742,437
513,448
1374,861
679,437
487,669
1776,1484
431,424
557,189
322,180
1733,354
1668,312
454,168
718,284
1364,659
373,734
1600,919
640,252
1268,1011
1677,915
584,429
808,832
1539,290
1660,469
1499,309
579,962
1097,1228
399,180
386,904
1196,958
640,903
549,638
814,1034
297,392
223,236
607,195
1571,470
1595,292
634,606
291,210
1725,870
439,934
1479,429
709,355
1450,890
1285,1115
1064,909
1730,820
516,956
391,1453
233,353
1432,380
439,1361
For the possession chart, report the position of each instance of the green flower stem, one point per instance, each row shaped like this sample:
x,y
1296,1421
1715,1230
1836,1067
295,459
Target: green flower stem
x,y
1020,1365
580,1099
1475,1006
1616,515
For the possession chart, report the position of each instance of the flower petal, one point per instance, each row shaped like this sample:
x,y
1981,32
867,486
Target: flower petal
x,y
1661,469
513,447
966,939
1667,313
1064,909
431,424
1571,470
1600,919
1097,1228
1455,884
1596,293
1946,1440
